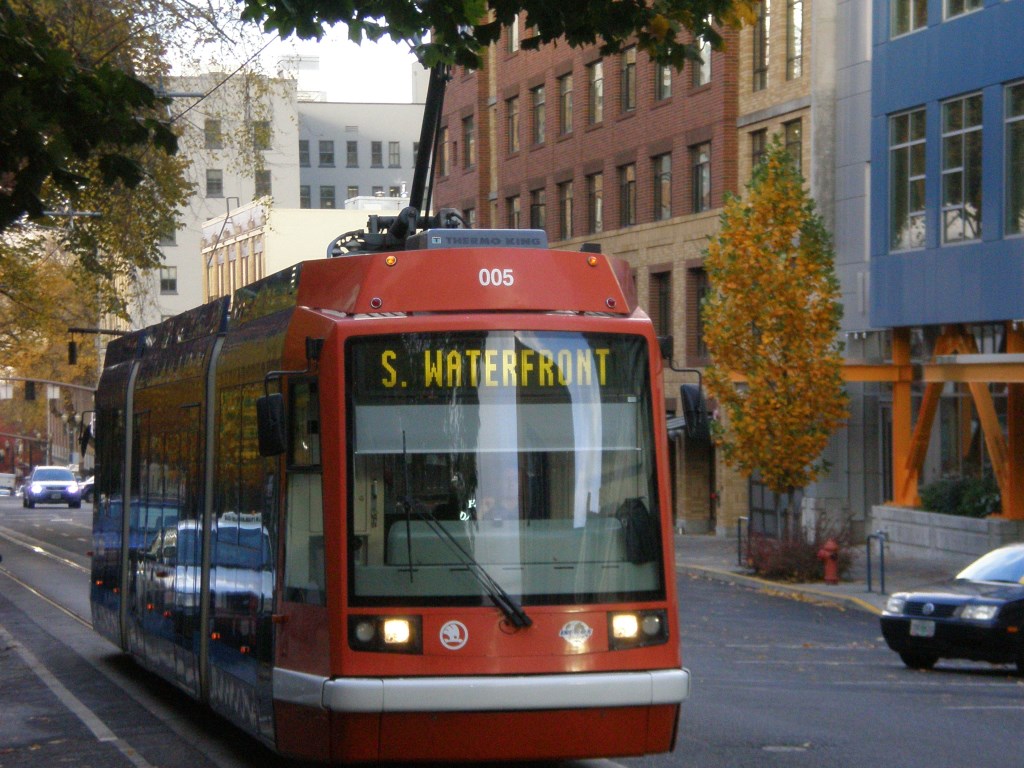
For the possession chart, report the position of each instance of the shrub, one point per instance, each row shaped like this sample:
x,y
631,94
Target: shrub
x,y
963,496
796,558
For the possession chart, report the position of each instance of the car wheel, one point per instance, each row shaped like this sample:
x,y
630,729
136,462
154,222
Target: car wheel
x,y
918,660
74,505
1020,661
30,504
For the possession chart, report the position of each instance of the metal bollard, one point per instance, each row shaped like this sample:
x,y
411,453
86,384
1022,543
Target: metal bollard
x,y
739,539
882,537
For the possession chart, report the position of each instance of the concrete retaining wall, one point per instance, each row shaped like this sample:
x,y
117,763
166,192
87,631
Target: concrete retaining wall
x,y
916,533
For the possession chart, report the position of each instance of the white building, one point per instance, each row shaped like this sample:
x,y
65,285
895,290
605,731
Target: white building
x,y
253,139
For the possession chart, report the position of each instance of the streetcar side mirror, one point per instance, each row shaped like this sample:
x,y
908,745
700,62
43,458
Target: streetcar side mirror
x,y
270,424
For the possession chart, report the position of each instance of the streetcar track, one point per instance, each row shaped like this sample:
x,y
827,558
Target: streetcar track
x,y
38,547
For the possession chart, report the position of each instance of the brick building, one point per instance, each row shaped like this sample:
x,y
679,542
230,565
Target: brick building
x,y
615,150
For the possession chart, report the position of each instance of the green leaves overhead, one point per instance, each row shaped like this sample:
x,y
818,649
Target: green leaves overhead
x,y
459,30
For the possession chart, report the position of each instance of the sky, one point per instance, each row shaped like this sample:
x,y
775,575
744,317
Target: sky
x,y
371,72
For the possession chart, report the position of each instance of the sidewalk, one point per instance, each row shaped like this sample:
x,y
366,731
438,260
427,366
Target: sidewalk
x,y
717,557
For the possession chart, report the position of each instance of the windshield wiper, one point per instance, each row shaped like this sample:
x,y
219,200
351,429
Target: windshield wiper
x,y
501,598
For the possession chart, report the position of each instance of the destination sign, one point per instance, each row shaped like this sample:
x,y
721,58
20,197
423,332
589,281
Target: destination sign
x,y
542,362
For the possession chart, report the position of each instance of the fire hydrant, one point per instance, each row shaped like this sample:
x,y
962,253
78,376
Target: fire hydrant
x,y
829,555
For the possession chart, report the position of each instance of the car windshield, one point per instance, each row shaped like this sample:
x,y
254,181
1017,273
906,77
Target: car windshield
x,y
1005,565
43,475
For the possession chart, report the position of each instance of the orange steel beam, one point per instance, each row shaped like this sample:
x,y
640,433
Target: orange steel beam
x,y
1013,495
904,479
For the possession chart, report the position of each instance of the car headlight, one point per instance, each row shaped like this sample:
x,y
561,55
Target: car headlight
x,y
36,488
895,604
73,488
979,612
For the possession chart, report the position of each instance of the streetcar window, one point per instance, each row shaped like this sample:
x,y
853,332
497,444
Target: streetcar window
x,y
528,455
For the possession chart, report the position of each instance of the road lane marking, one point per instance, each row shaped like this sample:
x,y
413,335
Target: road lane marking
x,y
90,719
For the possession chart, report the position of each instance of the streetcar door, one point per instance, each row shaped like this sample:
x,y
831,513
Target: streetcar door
x,y
302,594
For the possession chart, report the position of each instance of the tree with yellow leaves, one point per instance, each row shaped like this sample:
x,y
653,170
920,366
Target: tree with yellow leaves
x,y
771,322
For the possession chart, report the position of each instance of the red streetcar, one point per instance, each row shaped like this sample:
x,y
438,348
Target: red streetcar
x,y
401,506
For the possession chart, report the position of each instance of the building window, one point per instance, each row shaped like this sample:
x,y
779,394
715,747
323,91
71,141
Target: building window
x,y
327,197
627,195
565,105
326,154
262,179
565,210
538,209
214,182
512,123
595,203
376,154
304,153
394,154
305,197
539,114
960,7
1015,158
660,304
762,28
261,135
758,148
662,81
907,180
661,172
168,237
961,169
394,191
415,150
513,35
212,134
469,142
470,216
443,158
701,159
702,68
793,133
377,191
352,190
595,77
908,15
794,39
351,154
627,87
698,289
512,212
168,280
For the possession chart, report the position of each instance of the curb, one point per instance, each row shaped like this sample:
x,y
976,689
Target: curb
x,y
756,582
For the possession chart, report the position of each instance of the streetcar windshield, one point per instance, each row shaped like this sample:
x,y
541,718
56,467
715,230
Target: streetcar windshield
x,y
520,460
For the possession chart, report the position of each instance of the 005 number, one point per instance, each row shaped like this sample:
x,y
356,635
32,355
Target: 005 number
x,y
496,277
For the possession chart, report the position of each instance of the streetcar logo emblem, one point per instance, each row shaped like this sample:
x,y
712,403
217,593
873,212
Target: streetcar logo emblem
x,y
454,635
576,633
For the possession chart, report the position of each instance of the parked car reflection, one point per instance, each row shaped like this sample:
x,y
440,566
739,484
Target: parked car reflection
x,y
977,615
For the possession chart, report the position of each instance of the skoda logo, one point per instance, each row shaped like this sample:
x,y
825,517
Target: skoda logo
x,y
928,609
454,635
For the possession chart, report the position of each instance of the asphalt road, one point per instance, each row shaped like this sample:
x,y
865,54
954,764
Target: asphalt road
x,y
777,681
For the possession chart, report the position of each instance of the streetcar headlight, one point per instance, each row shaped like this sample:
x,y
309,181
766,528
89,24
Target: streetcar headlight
x,y
397,631
635,629
388,634
625,626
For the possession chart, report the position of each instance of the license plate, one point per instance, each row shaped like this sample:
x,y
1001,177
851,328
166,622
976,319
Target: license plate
x,y
55,495
919,628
